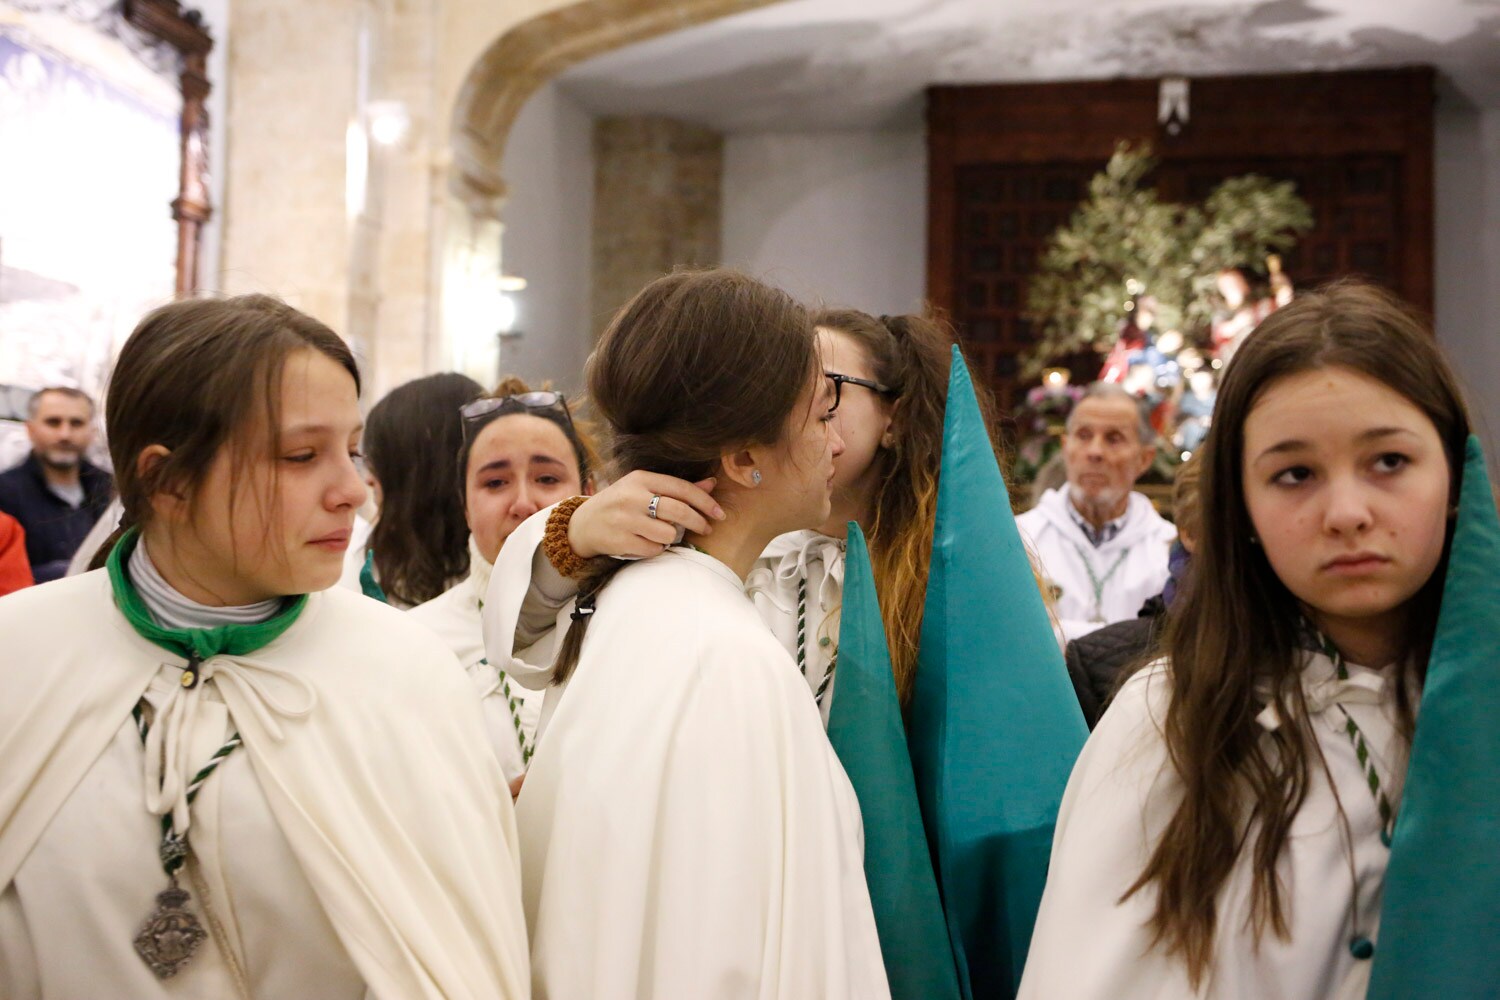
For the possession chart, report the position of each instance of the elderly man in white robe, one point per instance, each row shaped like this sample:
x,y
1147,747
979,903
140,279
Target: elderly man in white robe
x,y
1102,546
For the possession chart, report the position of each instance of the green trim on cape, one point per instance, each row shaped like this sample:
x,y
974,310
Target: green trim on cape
x,y
235,640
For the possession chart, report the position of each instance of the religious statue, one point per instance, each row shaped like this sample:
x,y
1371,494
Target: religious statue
x,y
1245,307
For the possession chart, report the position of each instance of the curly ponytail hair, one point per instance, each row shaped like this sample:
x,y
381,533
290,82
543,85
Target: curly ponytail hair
x,y
697,364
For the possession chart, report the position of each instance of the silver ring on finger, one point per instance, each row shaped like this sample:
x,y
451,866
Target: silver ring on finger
x,y
651,507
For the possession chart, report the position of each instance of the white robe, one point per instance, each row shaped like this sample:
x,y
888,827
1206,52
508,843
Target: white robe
x,y
361,839
1130,568
1090,946
511,711
686,828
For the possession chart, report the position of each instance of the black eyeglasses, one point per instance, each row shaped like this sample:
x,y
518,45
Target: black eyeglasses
x,y
838,387
488,408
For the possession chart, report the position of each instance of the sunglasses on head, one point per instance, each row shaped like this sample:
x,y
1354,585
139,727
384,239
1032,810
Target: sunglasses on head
x,y
487,408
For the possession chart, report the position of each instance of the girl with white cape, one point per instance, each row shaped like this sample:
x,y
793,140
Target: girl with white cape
x,y
521,452
686,829
1226,830
219,778
891,379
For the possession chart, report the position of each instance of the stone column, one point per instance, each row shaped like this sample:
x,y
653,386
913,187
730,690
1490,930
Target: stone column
x,y
293,71
656,204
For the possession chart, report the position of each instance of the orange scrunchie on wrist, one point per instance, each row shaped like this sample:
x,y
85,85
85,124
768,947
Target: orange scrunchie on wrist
x,y
555,541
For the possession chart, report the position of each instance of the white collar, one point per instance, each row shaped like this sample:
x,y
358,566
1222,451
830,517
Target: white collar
x,y
789,558
480,569
171,609
708,562
1323,690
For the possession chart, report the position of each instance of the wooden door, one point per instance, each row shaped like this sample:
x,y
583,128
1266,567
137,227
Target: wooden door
x,y
1009,163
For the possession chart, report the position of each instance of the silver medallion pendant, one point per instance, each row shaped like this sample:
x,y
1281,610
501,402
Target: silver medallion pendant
x,y
171,934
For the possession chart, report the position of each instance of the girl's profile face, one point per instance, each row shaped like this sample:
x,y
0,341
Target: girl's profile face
x,y
279,525
799,470
863,416
1347,484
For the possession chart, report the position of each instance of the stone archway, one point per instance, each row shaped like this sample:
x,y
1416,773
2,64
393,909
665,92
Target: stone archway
x,y
490,97
530,54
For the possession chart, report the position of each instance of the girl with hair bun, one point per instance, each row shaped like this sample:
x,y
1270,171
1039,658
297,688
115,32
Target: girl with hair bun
x,y
222,778
891,376
686,828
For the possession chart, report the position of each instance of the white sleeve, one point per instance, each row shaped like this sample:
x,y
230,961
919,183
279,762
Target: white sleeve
x,y
517,615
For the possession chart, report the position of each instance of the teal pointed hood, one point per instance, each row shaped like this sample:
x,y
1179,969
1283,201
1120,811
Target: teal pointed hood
x,y
1440,918
995,725
865,728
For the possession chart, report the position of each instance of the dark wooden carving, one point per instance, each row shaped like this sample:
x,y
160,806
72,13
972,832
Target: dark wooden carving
x,y
183,30
1008,164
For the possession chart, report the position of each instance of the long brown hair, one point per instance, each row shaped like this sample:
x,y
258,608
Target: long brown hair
x,y
186,380
912,355
698,363
413,438
1232,636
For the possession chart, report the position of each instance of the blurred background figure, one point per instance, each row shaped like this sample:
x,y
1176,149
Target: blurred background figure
x,y
55,493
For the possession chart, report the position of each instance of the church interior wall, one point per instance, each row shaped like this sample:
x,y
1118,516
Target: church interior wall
x,y
840,218
837,217
549,165
1467,264
834,217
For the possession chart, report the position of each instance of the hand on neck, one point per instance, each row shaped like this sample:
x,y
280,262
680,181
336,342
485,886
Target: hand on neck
x,y
1098,512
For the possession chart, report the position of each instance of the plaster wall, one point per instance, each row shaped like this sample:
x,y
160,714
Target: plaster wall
x,y
836,218
296,81
1467,222
291,96
549,164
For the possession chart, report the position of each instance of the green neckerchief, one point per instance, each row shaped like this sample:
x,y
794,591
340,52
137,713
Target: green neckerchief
x,y
194,643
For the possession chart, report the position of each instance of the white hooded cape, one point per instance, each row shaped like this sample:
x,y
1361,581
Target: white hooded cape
x,y
511,711
807,561
1089,944
364,740
686,829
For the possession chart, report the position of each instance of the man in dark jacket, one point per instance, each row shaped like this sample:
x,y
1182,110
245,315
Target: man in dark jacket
x,y
56,494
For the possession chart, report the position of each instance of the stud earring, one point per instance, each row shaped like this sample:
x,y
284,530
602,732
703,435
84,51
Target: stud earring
x,y
755,477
